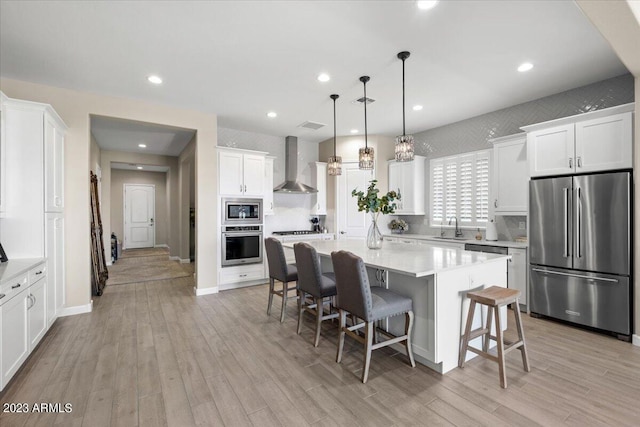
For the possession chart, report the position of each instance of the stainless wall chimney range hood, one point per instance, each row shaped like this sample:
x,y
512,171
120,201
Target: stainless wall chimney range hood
x,y
291,185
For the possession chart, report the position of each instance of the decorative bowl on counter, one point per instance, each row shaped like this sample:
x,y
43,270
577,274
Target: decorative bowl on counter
x,y
398,226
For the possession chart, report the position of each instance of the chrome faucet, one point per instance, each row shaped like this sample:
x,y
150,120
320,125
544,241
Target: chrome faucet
x,y
458,231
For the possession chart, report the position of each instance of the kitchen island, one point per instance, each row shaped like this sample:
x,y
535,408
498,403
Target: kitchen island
x,y
437,280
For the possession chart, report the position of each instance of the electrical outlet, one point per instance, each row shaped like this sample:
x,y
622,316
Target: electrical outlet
x,y
521,225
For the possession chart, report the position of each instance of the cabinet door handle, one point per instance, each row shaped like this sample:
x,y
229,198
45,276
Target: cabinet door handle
x,y
16,286
271,205
245,188
495,203
243,275
570,162
579,159
32,302
2,296
38,273
241,188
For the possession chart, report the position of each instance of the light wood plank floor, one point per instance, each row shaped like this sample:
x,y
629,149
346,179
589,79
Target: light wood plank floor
x,y
152,354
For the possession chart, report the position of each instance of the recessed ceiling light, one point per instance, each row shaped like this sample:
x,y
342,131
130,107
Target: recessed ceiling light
x,y
427,4
154,79
139,167
272,114
142,145
354,130
324,77
526,66
417,107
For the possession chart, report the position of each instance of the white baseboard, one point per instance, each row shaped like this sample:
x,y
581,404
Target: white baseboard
x,y
109,263
185,261
636,340
205,291
162,245
77,309
174,258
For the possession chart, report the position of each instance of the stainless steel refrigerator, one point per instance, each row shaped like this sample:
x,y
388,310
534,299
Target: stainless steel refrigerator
x,y
580,250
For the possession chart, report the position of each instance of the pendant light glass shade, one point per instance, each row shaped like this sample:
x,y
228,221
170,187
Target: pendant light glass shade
x,y
365,155
404,149
334,164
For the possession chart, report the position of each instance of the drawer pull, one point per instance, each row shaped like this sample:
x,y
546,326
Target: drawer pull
x,y
243,275
2,296
38,272
16,286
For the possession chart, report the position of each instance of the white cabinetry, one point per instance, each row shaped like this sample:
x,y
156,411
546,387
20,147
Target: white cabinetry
x,y
14,339
53,165
37,311
517,273
510,175
267,200
23,313
596,141
54,252
32,226
319,182
241,173
408,179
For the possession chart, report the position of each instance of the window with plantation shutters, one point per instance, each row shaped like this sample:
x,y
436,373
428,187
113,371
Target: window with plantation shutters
x,y
460,188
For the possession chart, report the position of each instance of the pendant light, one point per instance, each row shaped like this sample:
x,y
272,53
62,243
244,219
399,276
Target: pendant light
x,y
334,165
404,144
365,156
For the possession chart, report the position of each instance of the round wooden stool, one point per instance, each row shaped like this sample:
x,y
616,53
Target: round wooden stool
x,y
494,297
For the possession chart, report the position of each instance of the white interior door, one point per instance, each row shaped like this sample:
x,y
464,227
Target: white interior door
x,y
139,215
351,223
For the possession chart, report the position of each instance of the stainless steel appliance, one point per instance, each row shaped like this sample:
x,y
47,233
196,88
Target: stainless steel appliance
x,y
241,211
486,248
580,250
241,244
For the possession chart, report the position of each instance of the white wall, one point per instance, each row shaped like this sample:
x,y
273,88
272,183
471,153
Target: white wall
x,y
75,109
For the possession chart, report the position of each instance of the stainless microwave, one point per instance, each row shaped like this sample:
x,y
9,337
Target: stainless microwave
x,y
241,211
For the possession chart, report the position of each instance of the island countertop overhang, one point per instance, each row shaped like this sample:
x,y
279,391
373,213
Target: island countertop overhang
x,y
411,260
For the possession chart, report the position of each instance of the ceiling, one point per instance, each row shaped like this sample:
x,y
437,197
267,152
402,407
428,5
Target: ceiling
x,y
241,59
124,135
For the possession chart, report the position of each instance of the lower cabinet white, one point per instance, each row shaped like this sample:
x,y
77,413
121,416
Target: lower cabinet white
x,y
23,313
517,273
238,276
14,339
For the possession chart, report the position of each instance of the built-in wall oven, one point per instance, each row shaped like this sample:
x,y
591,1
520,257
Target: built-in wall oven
x,y
241,211
241,244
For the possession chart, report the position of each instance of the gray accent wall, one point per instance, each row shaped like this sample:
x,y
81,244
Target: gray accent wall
x,y
473,134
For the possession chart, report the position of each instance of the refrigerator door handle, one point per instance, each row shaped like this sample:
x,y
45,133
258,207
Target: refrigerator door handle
x,y
565,247
578,223
600,279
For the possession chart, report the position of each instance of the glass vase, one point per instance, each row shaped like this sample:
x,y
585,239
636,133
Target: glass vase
x,y
374,236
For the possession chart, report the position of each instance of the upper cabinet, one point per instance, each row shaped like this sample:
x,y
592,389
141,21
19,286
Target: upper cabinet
x,y
241,172
53,164
590,142
408,180
510,175
267,201
319,182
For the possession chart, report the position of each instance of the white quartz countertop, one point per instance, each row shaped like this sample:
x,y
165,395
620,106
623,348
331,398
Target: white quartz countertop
x,y
15,267
503,243
411,260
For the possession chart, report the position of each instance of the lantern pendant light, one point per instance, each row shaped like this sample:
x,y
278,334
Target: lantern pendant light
x,y
334,165
404,144
365,156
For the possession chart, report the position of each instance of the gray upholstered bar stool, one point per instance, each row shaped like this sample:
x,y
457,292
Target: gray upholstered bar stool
x,y
321,287
493,298
281,271
369,304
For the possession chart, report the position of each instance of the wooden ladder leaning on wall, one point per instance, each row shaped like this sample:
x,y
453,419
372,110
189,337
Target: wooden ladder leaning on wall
x,y
99,272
